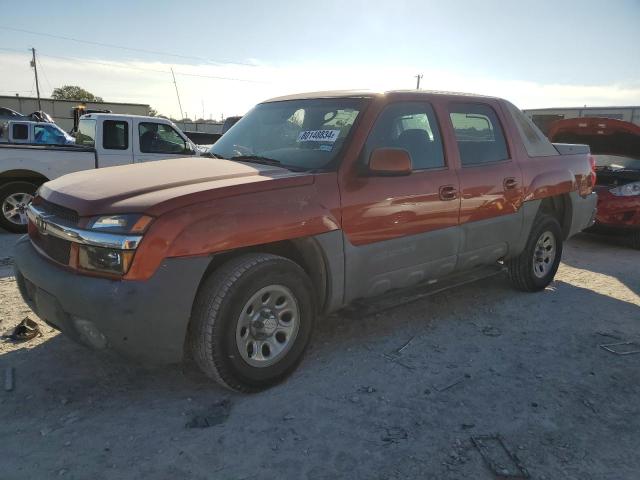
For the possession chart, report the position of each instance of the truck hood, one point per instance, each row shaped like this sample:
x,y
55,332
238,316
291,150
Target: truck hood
x,y
157,187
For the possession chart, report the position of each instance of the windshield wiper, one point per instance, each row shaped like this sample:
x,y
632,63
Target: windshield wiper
x,y
257,159
212,155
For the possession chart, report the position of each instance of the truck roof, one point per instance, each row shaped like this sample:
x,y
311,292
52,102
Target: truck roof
x,y
122,116
369,94
27,122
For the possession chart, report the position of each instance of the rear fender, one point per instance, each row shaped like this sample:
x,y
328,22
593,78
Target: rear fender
x,y
549,184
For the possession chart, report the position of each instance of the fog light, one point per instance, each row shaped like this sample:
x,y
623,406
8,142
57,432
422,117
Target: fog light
x,y
107,260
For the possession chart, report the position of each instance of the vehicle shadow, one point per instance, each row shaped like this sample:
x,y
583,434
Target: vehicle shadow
x,y
606,254
7,241
65,391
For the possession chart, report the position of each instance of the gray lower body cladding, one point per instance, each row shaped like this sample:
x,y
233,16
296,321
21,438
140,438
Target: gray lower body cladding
x,y
148,320
583,212
143,320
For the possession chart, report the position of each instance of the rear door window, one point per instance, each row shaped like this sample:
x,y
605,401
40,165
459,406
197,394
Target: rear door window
x,y
411,126
535,143
478,133
115,135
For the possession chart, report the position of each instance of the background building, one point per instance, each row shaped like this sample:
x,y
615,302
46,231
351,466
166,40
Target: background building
x,y
544,117
61,110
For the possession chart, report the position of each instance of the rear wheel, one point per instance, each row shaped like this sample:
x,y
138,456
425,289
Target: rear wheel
x,y
252,321
538,263
14,199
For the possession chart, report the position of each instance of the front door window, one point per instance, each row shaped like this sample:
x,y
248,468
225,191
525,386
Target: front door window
x,y
160,138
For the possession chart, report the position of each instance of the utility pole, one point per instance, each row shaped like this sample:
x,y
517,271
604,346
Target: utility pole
x,y
35,69
177,94
418,77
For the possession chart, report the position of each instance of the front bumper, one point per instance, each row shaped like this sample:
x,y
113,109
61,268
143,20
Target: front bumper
x,y
614,212
144,320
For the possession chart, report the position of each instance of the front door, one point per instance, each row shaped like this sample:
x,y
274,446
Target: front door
x,y
401,230
490,184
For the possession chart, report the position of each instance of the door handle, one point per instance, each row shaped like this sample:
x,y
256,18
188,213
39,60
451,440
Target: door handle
x,y
448,192
509,183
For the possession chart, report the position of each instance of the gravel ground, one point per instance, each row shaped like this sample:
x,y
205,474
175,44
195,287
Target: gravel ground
x,y
481,359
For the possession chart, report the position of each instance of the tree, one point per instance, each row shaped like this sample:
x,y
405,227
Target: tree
x,y
153,112
73,92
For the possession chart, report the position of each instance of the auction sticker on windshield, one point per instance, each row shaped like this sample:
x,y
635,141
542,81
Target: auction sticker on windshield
x,y
318,136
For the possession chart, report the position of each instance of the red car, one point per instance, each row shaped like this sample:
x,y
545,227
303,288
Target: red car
x,y
615,146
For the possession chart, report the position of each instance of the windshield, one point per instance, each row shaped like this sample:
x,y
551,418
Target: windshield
x,y
86,135
617,162
62,136
300,134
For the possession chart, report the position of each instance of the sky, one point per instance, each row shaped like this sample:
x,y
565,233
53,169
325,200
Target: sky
x,y
228,56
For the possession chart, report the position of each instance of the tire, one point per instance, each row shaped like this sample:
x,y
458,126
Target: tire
x,y
635,240
14,197
232,321
538,263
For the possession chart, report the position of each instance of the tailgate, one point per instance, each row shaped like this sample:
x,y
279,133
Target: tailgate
x,y
572,149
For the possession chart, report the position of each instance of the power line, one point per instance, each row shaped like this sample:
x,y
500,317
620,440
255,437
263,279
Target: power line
x,y
131,67
121,47
44,74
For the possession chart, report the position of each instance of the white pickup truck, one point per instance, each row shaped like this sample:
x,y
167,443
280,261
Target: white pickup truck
x,y
103,140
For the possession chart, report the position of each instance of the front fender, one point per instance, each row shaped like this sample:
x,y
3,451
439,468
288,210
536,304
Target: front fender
x,y
237,222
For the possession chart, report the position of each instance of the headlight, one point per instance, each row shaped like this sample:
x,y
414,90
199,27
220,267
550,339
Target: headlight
x,y
106,260
129,223
628,190
112,260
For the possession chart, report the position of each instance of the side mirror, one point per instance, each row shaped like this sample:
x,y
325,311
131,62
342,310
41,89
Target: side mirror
x,y
189,149
390,162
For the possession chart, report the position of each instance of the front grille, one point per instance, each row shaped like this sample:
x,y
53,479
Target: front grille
x,y
69,216
55,248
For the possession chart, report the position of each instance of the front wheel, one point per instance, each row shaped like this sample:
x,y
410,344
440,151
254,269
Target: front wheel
x,y
14,200
252,321
538,263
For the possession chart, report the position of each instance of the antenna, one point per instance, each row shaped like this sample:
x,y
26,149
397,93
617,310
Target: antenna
x,y
177,94
418,77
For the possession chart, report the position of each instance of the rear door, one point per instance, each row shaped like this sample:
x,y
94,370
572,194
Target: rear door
x,y
401,230
490,183
113,143
159,141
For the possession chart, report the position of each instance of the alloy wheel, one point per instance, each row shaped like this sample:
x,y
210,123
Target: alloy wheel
x,y
268,326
